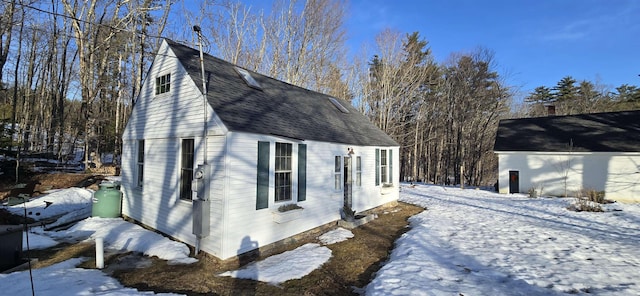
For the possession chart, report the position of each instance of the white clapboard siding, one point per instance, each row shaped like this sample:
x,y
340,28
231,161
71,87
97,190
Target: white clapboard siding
x,y
158,205
216,149
617,174
245,223
322,205
162,121
178,113
236,226
368,195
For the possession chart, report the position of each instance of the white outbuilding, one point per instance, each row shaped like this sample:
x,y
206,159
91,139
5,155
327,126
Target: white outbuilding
x,y
251,162
559,155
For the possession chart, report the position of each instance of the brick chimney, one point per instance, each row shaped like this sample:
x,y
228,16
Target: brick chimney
x,y
551,110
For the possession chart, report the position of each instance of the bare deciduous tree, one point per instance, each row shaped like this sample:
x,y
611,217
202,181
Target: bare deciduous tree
x,y
7,22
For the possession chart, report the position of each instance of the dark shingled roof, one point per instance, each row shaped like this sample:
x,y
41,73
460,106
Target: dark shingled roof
x,y
597,132
280,108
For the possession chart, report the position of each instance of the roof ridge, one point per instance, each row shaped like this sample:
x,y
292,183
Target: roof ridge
x,y
278,107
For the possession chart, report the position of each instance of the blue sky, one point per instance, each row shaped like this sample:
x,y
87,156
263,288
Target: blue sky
x,y
535,42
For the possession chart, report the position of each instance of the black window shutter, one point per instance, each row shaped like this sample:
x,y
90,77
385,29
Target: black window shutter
x,y
391,165
262,191
377,167
302,172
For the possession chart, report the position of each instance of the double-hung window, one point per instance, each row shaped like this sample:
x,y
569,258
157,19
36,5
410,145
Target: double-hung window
x,y
140,163
337,176
163,84
186,168
283,172
358,171
384,166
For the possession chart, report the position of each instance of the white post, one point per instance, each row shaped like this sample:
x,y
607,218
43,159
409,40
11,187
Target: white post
x,y
99,253
462,177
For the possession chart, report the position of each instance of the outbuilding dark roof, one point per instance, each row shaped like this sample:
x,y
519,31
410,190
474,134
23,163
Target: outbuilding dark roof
x,y
597,132
278,108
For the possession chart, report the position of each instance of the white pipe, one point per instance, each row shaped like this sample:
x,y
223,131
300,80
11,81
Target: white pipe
x,y
99,253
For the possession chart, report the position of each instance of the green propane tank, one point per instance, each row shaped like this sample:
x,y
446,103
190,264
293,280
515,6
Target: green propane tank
x,y
107,201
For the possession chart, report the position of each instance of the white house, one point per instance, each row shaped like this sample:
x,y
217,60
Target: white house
x,y
268,144
558,155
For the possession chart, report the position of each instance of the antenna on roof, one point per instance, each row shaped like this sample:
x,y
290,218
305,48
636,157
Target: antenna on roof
x,y
200,182
204,93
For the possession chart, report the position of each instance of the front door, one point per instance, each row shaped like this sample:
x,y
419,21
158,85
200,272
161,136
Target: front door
x,y
348,183
514,182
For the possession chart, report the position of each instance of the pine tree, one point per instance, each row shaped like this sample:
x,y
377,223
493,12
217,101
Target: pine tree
x,y
628,93
540,95
565,90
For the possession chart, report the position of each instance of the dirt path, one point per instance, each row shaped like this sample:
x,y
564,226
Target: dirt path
x,y
353,263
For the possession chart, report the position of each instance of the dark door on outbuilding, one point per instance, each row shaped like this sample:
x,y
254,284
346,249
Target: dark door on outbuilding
x,y
514,182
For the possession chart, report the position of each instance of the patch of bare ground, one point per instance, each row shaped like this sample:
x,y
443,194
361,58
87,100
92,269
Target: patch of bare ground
x,y
46,182
62,253
43,182
353,264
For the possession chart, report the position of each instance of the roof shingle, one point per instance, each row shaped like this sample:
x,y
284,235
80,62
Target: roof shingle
x,y
279,108
597,132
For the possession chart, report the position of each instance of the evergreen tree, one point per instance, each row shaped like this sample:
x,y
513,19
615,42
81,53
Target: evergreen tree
x,y
627,93
588,99
416,50
541,95
565,90
538,100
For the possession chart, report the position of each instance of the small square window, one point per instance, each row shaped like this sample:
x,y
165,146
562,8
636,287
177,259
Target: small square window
x,y
163,84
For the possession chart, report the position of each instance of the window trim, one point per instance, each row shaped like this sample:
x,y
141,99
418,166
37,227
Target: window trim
x,y
384,166
185,180
140,164
358,171
337,173
285,171
163,84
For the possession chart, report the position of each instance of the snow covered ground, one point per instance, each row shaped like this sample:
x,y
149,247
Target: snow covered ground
x,y
59,206
292,264
280,268
64,278
473,242
468,242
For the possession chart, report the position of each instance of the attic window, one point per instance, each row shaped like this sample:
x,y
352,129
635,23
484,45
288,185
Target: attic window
x,y
163,83
248,78
338,105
